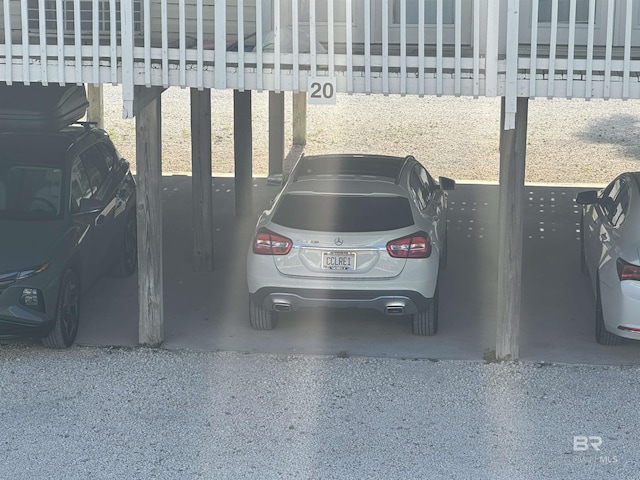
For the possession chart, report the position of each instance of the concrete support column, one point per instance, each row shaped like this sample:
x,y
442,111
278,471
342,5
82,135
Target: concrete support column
x,y
201,182
243,152
95,112
299,119
149,198
511,210
276,132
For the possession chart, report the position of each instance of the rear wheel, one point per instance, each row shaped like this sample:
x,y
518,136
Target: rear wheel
x,y
260,318
426,322
603,336
67,318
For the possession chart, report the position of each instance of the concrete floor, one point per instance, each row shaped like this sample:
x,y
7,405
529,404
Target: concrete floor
x,y
208,311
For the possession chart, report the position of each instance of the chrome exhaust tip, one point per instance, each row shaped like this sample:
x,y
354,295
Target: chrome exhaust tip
x,y
282,307
394,310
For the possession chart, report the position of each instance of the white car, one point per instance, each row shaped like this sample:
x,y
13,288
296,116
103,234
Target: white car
x,y
353,231
610,240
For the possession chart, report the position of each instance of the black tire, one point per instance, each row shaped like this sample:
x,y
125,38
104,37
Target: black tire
x,y
603,336
65,328
583,259
426,322
262,319
128,255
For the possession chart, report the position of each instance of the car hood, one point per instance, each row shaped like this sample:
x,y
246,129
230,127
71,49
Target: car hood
x,y
28,244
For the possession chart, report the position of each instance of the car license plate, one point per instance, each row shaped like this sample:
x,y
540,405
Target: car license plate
x,y
338,261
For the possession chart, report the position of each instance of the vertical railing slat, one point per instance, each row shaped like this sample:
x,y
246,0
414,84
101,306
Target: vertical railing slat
x,y
42,25
403,47
164,25
200,52
572,47
77,25
367,47
146,14
627,51
113,41
533,54
312,35
277,45
439,42
331,37
552,49
608,51
8,42
241,79
127,28
458,48
590,39
182,21
259,46
95,19
60,38
349,33
221,44
476,48
385,47
295,50
24,12
421,62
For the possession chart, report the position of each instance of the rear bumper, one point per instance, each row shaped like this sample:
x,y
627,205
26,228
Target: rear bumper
x,y
400,302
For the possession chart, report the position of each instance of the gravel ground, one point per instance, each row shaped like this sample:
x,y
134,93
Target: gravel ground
x,y
569,141
141,414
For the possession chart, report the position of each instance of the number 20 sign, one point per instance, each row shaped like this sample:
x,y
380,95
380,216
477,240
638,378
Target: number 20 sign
x,y
322,91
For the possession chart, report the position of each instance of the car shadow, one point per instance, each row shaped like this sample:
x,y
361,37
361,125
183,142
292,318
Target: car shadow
x,y
207,311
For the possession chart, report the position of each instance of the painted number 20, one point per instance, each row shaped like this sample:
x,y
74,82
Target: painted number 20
x,y
322,91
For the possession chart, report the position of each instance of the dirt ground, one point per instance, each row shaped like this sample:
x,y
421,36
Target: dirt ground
x,y
568,141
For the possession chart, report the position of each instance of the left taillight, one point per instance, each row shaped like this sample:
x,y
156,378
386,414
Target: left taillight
x,y
417,245
268,243
627,271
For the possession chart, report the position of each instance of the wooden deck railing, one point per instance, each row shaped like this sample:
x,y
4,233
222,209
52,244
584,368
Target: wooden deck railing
x,y
576,48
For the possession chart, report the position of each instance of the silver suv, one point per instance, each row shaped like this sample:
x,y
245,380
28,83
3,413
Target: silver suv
x,y
364,231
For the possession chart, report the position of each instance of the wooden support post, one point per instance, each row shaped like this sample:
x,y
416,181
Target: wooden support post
x,y
243,152
300,118
276,132
511,210
95,112
201,188
149,176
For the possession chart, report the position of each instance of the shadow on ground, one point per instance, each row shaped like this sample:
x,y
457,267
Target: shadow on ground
x,y
208,311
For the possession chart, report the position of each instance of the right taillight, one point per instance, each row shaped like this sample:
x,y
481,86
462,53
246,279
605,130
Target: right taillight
x,y
627,271
417,245
268,243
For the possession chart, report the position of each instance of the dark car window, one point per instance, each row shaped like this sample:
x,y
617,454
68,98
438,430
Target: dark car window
x,y
95,167
80,185
108,154
421,187
615,200
336,213
30,191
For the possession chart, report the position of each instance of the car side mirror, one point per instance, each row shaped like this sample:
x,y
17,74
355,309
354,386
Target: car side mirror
x,y
276,180
447,183
89,205
588,197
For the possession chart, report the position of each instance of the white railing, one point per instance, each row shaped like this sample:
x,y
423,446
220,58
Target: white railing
x,y
576,48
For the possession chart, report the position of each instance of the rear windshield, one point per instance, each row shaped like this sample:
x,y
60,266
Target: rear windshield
x,y
334,213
